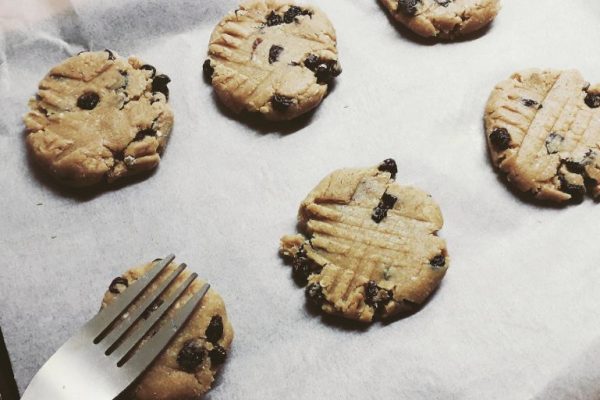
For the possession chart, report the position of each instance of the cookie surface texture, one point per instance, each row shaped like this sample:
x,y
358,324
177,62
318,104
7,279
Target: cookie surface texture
x,y
369,246
543,132
272,57
187,367
445,19
97,117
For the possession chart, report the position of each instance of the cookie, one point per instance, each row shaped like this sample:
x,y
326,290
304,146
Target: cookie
x,y
272,57
187,367
445,19
369,247
97,117
543,132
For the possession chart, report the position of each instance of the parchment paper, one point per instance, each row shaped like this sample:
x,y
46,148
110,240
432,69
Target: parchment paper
x,y
517,316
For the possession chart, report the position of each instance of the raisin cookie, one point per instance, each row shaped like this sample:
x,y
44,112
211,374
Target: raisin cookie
x,y
370,246
543,132
445,19
97,117
187,367
272,57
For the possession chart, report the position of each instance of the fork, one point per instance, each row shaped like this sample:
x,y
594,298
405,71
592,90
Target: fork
x,y
101,361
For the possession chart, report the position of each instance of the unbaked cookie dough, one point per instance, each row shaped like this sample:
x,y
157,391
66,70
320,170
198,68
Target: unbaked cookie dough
x,y
187,367
543,132
272,57
97,117
445,19
369,247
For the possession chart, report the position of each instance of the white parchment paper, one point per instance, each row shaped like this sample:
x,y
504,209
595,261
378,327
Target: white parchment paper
x,y
517,316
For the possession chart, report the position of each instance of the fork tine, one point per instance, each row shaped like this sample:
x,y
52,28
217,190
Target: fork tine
x,y
151,349
141,330
102,321
110,340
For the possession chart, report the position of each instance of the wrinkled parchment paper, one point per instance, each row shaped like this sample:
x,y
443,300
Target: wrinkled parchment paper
x,y
517,316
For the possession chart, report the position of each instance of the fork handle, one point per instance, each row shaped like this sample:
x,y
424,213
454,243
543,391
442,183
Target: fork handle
x,y
8,386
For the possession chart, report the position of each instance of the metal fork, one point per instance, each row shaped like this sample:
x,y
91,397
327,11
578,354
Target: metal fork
x,y
99,362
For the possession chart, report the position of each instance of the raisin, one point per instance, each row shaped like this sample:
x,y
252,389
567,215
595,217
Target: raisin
x,y
302,266
111,55
324,73
190,356
575,167
438,261
314,294
143,133
117,281
88,101
83,51
274,53
531,103
159,84
553,142
290,15
149,68
576,191
281,103
386,203
217,355
311,62
408,7
151,308
214,331
389,165
208,70
274,19
592,100
443,3
500,139
377,297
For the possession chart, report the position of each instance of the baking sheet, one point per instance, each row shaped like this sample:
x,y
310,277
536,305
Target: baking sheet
x,y
517,315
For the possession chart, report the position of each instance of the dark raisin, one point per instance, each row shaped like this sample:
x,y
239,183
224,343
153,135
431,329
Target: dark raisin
x,y
531,103
274,19
111,56
576,191
324,73
88,101
575,167
190,356
386,203
314,294
281,103
592,100
389,165
152,307
117,281
443,3
143,133
408,7
303,266
159,84
311,62
438,261
377,297
500,139
553,142
217,355
208,70
214,331
83,51
290,15
149,68
274,53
